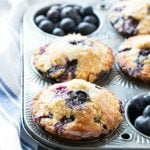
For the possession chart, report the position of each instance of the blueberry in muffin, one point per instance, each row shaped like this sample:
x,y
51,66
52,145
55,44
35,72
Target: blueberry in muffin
x,y
131,17
76,110
134,57
73,56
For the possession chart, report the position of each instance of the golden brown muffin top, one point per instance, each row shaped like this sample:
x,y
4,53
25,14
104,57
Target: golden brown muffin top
x,y
134,57
89,56
76,110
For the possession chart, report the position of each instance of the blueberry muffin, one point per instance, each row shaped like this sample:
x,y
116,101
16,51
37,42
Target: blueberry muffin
x,y
134,57
76,110
131,17
73,56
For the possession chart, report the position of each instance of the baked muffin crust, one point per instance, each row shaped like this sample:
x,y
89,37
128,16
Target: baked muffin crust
x,y
134,57
73,56
131,17
76,110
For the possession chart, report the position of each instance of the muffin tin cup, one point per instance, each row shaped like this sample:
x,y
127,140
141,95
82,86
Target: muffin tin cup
x,y
128,117
125,136
45,7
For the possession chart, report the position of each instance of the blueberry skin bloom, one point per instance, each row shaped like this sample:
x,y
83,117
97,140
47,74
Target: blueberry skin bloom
x,y
142,124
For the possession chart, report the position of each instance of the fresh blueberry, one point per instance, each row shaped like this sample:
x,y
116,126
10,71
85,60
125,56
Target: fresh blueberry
x,y
77,8
55,7
58,31
91,19
147,98
67,24
142,124
68,12
57,25
146,111
62,6
88,10
86,28
137,106
46,26
39,18
68,18
53,15
77,19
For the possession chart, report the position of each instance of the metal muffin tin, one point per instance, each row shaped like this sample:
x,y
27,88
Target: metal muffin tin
x,y
125,136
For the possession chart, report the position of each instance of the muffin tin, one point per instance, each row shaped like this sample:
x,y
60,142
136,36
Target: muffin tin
x,y
125,136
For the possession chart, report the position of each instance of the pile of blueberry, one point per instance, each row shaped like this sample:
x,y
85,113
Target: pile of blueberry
x,y
139,113
60,19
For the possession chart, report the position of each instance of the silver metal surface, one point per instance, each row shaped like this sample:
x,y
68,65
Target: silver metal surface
x,y
121,85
